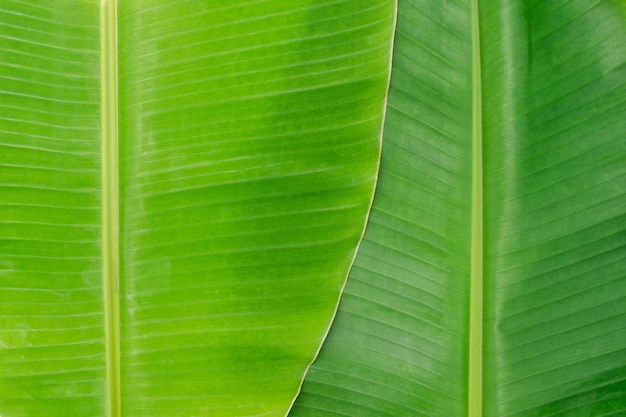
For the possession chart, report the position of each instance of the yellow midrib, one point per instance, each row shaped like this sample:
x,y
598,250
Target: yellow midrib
x,y
475,382
110,201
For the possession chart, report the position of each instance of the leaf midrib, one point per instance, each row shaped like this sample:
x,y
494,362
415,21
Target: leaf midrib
x,y
110,202
476,273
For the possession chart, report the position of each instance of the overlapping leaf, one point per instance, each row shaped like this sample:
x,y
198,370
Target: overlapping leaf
x,y
249,139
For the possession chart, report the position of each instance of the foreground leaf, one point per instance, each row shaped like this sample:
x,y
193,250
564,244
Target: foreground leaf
x,y
249,144
248,148
52,344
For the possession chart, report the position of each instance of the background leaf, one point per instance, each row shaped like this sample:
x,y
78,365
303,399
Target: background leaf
x,y
553,104
555,220
398,346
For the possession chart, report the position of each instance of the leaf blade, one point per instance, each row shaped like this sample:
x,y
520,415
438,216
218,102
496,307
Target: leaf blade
x,y
398,346
242,202
541,223
557,234
51,313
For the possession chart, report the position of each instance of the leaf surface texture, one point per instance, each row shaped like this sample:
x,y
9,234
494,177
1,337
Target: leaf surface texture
x,y
553,92
249,140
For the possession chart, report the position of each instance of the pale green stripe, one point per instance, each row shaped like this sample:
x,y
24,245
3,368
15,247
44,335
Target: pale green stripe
x,y
476,286
110,192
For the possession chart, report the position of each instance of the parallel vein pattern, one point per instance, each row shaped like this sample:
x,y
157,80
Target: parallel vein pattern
x,y
556,259
554,88
250,135
51,316
399,344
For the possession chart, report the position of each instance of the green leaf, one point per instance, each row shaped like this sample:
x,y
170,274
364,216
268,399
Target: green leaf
x,y
52,360
184,186
188,260
552,125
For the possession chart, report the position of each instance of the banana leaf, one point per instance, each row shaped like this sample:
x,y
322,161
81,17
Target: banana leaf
x,y
492,277
185,185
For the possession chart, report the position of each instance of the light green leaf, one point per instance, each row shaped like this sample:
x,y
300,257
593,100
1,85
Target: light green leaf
x,y
52,351
552,78
188,261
